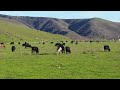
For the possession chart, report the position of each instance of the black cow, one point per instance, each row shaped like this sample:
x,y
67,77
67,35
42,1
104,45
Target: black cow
x,y
106,48
67,49
51,42
26,45
72,42
12,43
34,49
18,42
90,41
76,42
57,44
63,44
23,44
43,42
13,48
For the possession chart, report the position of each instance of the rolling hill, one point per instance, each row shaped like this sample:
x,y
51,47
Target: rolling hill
x,y
93,28
13,30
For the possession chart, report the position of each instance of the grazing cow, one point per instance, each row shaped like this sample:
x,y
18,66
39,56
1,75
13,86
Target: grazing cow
x,y
13,48
106,48
23,44
60,48
34,50
2,45
26,45
90,41
68,50
12,43
43,42
76,42
63,44
19,43
72,42
57,44
51,42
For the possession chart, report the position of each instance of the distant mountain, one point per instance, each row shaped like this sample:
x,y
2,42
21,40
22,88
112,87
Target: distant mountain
x,y
93,28
13,31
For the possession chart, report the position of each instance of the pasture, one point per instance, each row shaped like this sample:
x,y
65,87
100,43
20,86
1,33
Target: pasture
x,y
86,61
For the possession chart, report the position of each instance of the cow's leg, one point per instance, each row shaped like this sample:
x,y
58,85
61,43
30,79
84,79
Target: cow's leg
x,y
104,50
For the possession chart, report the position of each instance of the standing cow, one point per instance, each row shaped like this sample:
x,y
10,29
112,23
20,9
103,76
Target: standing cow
x,y
34,49
106,48
13,48
67,49
60,48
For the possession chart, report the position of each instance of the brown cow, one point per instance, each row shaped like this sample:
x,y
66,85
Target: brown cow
x,y
2,45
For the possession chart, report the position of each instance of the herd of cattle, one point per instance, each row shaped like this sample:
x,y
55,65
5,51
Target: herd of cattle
x,y
60,47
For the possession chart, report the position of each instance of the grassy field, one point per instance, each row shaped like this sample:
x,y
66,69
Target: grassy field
x,y
87,61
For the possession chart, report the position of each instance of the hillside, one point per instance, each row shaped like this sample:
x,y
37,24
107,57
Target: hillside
x,y
12,30
51,25
93,28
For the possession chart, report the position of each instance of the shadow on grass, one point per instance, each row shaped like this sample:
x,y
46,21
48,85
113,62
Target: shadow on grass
x,y
47,54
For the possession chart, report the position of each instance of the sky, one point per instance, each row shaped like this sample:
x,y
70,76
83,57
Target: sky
x,y
108,15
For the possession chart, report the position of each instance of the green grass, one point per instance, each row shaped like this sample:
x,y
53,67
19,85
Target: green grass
x,y
87,61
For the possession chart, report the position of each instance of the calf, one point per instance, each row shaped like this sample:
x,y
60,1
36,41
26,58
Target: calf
x,y
34,50
106,48
13,48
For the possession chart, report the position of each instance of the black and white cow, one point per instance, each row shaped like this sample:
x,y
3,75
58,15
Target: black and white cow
x,y
34,49
13,48
60,48
106,48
